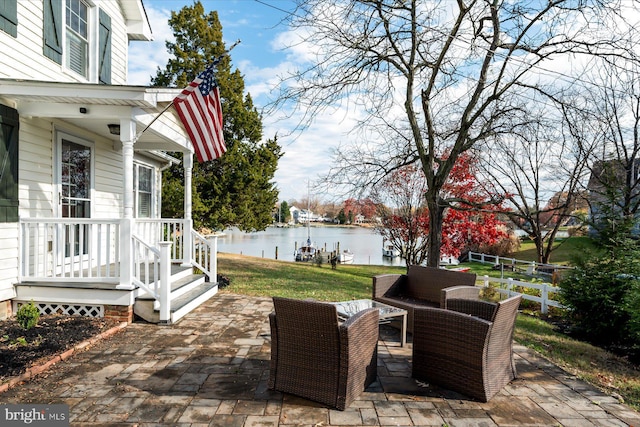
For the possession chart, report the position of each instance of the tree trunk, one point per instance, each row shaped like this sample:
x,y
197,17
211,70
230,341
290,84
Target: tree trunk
x,y
436,217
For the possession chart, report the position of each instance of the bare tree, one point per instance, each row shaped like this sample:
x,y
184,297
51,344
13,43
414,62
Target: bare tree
x,y
403,223
614,184
541,168
436,77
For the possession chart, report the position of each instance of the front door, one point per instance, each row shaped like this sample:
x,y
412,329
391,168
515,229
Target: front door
x,y
75,179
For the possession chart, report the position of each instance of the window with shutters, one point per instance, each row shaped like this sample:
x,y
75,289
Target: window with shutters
x,y
78,36
143,192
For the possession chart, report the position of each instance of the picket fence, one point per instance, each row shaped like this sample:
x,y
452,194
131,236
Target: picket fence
x,y
506,287
513,264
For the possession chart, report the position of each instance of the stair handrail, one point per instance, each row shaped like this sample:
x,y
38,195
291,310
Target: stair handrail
x,y
139,248
203,254
160,290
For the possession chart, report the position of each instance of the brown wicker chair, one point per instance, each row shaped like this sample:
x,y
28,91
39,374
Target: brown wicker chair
x,y
315,356
423,287
467,348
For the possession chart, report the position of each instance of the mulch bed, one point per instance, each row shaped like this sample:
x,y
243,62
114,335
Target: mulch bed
x,y
20,349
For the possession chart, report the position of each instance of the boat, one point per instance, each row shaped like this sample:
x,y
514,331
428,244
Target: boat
x,y
449,260
389,251
306,252
346,257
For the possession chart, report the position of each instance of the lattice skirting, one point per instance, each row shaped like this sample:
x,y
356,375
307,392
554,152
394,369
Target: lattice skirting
x,y
60,308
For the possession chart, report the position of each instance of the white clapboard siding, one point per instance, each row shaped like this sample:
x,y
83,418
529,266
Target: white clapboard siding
x,y
22,56
8,257
35,169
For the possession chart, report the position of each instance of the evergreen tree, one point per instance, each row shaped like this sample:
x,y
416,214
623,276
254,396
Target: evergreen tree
x,y
235,189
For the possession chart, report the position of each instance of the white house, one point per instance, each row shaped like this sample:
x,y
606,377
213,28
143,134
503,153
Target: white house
x,y
81,159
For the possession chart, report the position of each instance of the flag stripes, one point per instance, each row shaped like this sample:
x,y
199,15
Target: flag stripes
x,y
200,112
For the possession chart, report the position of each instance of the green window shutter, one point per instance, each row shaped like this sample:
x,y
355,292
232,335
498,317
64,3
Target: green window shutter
x,y
9,126
9,17
105,48
53,30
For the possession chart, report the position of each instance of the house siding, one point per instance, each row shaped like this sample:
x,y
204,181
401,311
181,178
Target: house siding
x,y
37,185
36,169
23,61
23,57
8,260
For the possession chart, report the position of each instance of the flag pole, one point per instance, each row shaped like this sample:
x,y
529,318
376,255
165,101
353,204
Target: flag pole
x,y
139,134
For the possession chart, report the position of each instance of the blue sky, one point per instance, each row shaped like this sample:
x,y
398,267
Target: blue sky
x,y
260,57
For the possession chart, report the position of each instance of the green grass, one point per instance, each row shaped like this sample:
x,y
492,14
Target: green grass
x,y
265,277
564,252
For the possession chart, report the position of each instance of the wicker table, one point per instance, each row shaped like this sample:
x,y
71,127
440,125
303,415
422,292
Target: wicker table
x,y
346,309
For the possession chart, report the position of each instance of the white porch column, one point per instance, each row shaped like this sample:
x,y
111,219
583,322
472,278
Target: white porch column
x,y
127,136
187,162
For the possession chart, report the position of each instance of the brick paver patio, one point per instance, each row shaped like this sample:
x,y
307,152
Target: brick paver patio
x,y
211,369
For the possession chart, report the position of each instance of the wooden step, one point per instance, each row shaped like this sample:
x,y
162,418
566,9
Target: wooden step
x,y
186,294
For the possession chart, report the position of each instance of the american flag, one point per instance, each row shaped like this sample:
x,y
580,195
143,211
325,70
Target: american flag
x,y
199,109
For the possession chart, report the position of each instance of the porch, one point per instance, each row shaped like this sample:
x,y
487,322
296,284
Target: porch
x,y
158,269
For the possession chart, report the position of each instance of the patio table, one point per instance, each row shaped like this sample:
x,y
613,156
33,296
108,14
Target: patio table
x,y
346,309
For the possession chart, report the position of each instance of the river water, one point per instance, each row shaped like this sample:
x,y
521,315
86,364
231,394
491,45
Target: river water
x,y
363,242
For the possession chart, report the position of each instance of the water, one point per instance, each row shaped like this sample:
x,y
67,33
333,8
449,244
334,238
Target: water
x,y
363,242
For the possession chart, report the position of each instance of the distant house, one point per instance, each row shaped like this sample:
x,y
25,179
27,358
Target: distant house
x,y
305,216
80,184
614,185
293,213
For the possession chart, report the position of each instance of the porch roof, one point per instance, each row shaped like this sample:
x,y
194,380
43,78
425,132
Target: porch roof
x,y
94,106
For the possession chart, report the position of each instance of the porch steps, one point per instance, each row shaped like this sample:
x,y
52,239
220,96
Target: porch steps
x,y
188,291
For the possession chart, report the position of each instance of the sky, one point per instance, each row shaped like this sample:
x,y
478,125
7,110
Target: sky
x,y
260,57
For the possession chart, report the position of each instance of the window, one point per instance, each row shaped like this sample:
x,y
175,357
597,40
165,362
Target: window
x,y
143,192
75,186
77,36
76,180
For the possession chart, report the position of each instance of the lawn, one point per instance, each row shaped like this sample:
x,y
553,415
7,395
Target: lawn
x,y
265,277
564,251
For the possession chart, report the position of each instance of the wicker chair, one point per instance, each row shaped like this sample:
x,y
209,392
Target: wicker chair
x,y
315,356
423,287
468,347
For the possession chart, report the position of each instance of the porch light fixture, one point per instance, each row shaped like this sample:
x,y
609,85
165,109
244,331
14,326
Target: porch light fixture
x,y
114,129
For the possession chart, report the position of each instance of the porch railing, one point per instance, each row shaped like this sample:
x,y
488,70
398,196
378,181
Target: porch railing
x,y
70,249
154,230
83,250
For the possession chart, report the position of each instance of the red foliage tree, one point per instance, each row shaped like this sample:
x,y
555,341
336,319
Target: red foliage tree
x,y
470,222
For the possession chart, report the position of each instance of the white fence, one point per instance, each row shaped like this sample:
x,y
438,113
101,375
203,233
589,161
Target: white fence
x,y
506,288
526,267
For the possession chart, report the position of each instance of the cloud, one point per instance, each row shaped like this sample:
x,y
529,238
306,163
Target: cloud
x,y
146,57
307,155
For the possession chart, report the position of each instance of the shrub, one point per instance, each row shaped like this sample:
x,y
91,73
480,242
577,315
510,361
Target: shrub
x,y
602,292
28,315
595,294
502,247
